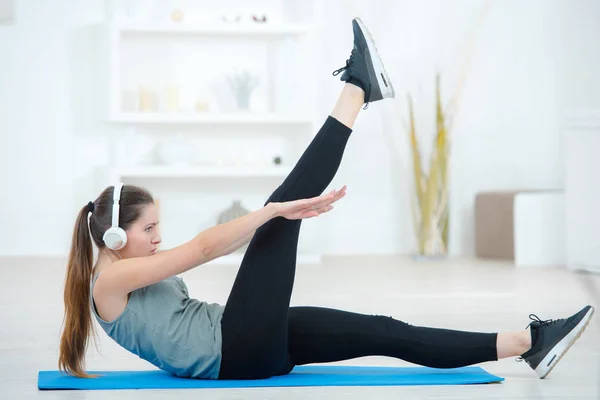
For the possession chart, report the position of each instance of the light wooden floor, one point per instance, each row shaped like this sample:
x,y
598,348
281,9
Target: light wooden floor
x,y
458,294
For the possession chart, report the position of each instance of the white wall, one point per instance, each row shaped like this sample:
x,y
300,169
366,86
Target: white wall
x,y
45,153
576,37
507,132
534,59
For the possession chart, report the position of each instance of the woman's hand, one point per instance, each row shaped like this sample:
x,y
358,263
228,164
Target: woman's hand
x,y
309,208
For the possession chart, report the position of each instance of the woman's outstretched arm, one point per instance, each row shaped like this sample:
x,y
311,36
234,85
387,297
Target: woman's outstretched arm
x,y
239,244
127,275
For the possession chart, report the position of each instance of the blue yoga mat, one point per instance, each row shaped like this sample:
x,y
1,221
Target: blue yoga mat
x,y
300,376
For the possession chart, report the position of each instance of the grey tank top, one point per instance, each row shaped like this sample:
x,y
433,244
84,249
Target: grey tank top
x,y
164,326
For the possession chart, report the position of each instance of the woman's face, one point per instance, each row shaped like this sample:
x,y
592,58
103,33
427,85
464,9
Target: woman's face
x,y
143,236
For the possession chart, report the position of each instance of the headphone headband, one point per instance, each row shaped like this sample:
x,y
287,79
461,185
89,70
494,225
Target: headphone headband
x,y
116,200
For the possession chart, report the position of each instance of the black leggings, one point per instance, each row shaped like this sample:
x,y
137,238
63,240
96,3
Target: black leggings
x,y
263,336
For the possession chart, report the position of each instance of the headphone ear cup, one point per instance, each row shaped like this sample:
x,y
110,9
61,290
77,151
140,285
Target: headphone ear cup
x,y
115,238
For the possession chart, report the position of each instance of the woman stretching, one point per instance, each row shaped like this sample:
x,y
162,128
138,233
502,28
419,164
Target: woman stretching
x,y
134,292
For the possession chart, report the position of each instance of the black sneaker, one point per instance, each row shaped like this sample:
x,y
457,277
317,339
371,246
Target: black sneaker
x,y
365,67
551,339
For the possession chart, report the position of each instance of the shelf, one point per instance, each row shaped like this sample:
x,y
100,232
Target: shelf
x,y
231,29
201,172
236,259
211,118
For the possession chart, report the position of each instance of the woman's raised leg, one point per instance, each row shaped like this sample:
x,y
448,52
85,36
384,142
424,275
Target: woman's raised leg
x,y
255,320
254,325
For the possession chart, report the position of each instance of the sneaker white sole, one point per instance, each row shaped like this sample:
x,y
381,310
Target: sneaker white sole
x,y
384,81
559,350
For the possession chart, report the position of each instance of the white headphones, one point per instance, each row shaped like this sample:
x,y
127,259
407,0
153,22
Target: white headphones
x,y
115,238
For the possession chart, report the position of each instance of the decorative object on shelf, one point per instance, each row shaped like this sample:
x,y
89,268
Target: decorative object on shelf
x,y
202,105
176,15
261,19
277,160
176,151
235,210
171,101
148,100
203,99
242,84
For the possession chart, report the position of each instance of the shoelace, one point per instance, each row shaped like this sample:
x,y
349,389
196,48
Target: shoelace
x,y
535,318
349,63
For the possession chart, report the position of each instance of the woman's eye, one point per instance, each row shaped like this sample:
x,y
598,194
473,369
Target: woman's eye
x,y
148,229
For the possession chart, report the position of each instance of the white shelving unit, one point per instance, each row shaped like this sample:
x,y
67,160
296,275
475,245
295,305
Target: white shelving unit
x,y
271,30
211,118
242,171
268,32
286,125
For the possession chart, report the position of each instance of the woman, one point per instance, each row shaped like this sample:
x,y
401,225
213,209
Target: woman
x,y
140,302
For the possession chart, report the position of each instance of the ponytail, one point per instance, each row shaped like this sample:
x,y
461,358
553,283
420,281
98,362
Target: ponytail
x,y
78,321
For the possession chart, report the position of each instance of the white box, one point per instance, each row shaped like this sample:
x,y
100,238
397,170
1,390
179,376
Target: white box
x,y
540,229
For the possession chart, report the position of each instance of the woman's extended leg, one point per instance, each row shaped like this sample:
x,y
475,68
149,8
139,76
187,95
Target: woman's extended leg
x,y
326,335
255,320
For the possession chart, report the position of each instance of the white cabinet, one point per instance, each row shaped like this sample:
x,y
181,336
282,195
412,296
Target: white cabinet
x,y
582,194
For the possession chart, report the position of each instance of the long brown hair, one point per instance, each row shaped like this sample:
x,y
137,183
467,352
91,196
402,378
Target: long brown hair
x,y
78,323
